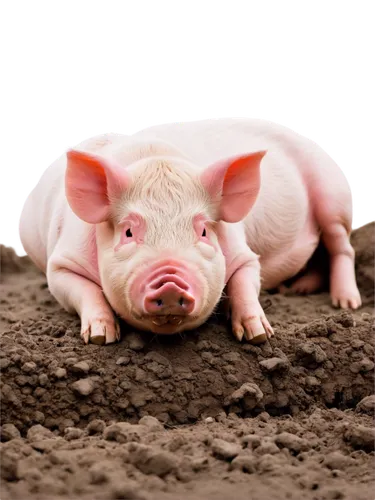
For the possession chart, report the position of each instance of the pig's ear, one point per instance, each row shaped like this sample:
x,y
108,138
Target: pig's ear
x,y
91,183
235,184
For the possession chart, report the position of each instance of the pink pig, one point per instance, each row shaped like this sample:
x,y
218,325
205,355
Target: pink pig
x,y
154,226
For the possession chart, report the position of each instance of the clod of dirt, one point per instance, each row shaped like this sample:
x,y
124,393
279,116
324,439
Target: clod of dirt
x,y
8,432
80,368
37,432
361,437
96,426
337,460
150,461
244,463
84,386
367,405
124,432
274,364
249,395
292,442
224,450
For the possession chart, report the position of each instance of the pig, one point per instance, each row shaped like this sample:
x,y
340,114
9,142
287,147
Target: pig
x,y
157,227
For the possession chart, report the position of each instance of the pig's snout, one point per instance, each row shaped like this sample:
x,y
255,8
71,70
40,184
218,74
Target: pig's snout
x,y
168,295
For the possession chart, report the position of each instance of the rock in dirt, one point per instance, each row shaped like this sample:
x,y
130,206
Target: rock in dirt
x,y
151,461
367,405
224,450
309,353
361,437
80,368
60,373
274,364
151,422
29,367
8,432
84,386
123,432
248,394
96,426
72,433
365,365
37,432
127,490
294,443
245,463
135,341
123,360
337,460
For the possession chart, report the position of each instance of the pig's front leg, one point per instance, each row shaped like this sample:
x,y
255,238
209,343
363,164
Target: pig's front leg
x,y
248,318
78,294
243,284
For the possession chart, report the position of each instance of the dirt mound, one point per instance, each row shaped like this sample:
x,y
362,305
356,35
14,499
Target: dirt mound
x,y
291,413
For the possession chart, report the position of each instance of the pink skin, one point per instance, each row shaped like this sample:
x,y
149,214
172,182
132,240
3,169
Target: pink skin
x,y
134,228
166,292
303,196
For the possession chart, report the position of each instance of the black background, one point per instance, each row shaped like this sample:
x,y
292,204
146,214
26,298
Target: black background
x,y
333,127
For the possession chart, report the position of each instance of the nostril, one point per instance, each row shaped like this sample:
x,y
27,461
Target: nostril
x,y
159,302
181,301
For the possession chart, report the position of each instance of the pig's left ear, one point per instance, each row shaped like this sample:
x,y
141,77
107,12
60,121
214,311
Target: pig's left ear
x,y
235,184
91,183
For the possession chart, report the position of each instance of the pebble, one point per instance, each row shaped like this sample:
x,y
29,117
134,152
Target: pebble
x,y
249,394
292,442
150,461
4,363
29,367
96,426
60,373
123,432
336,460
361,437
83,387
151,422
367,405
224,450
81,368
8,432
310,352
135,342
127,490
123,360
365,365
245,463
37,432
43,379
71,433
274,364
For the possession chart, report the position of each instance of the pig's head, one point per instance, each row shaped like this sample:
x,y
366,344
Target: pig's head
x,y
161,263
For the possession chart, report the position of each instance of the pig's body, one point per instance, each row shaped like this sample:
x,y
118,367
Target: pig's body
x,y
302,194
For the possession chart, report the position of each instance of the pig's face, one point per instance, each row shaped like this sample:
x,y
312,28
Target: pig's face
x,y
161,265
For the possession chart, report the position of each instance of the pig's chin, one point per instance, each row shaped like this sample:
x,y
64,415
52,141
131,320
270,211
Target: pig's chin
x,y
164,325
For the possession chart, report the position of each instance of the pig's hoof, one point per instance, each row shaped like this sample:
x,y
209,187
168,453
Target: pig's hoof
x,y
346,300
101,331
255,329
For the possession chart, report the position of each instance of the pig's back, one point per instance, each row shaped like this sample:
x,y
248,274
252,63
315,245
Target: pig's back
x,y
207,141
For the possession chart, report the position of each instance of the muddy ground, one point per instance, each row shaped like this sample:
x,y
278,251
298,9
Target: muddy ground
x,y
198,416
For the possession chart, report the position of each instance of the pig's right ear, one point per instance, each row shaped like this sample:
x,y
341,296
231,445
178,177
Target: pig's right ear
x,y
233,185
91,183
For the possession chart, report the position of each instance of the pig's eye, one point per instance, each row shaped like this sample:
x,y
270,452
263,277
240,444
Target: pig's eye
x,y
204,233
128,233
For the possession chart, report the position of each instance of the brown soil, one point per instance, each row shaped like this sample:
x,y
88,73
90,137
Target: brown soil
x,y
285,420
